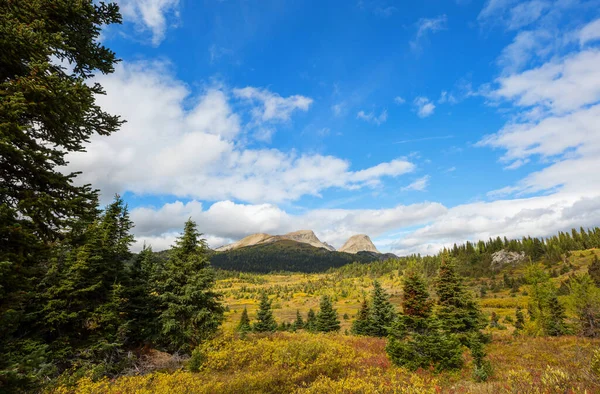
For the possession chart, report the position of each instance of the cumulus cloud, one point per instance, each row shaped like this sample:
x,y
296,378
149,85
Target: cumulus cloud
x,y
590,32
225,221
150,15
271,106
372,117
184,145
424,107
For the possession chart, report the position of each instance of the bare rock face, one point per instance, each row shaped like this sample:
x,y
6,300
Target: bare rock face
x,y
359,243
304,236
504,257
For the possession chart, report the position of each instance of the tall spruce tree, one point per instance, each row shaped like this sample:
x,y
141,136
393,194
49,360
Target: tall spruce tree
x,y
327,318
584,302
244,324
546,311
311,320
594,270
83,294
265,322
190,308
417,339
519,319
382,312
360,326
457,309
299,323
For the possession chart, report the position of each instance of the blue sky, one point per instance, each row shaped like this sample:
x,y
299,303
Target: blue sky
x,y
420,124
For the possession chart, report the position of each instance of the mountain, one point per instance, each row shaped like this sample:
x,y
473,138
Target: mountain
x,y
288,255
303,236
359,243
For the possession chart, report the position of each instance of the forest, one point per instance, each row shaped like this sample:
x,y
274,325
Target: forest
x,y
81,313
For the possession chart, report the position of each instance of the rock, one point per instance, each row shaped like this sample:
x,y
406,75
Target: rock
x,y
307,237
304,236
359,243
505,257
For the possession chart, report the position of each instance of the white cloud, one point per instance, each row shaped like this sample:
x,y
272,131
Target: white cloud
x,y
590,32
425,26
271,106
514,14
225,221
338,109
372,118
399,100
418,185
446,97
425,107
149,15
189,146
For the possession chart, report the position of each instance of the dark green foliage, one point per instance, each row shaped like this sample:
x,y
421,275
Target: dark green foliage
x,y
544,308
327,319
594,270
265,322
457,310
244,324
555,324
311,321
584,302
360,326
519,319
381,312
482,368
417,339
83,293
299,323
286,255
190,308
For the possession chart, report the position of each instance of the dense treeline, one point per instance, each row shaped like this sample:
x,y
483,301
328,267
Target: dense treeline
x,y
286,256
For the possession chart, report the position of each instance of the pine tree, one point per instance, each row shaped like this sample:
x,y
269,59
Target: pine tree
x,y
545,310
417,339
299,323
594,270
244,324
327,319
457,310
265,322
360,326
142,308
520,319
45,114
83,300
382,312
584,302
555,324
311,321
190,308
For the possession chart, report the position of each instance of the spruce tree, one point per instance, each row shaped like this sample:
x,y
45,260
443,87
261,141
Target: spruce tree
x,y
519,319
311,320
457,309
594,270
265,322
190,308
83,294
299,323
417,339
555,324
244,324
327,319
584,302
546,312
360,326
45,114
382,312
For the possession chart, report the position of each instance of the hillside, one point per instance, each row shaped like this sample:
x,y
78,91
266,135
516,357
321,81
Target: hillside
x,y
304,236
288,255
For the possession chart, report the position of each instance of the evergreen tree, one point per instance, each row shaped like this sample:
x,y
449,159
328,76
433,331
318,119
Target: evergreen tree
x,y
265,320
382,312
311,321
520,319
594,270
83,294
190,308
327,319
143,307
360,326
457,310
299,323
417,339
584,302
555,324
544,308
244,324
45,114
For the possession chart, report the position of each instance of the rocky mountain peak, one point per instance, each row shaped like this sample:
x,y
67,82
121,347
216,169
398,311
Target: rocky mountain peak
x,y
359,243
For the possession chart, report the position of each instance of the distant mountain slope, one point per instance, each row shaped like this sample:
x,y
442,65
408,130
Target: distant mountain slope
x,y
359,243
305,236
288,255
